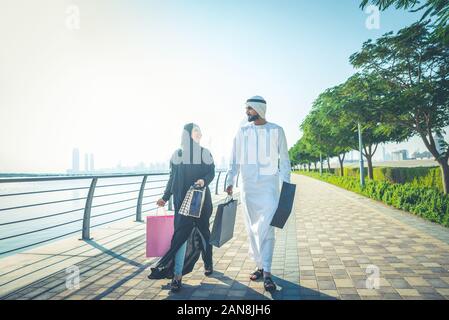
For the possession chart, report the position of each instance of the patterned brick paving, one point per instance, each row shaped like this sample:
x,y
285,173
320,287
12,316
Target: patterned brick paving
x,y
332,248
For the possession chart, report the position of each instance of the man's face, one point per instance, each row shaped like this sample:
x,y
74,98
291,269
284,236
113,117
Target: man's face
x,y
252,114
250,111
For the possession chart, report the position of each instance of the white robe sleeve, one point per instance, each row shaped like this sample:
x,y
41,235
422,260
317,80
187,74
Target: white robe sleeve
x,y
234,165
284,159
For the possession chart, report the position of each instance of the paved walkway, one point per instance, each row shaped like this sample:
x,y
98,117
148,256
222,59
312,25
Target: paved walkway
x,y
332,248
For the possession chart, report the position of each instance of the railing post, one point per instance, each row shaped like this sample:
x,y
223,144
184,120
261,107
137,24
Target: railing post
x,y
237,180
224,185
139,200
216,185
87,210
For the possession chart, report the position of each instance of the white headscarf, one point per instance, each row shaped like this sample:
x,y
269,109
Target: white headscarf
x,y
259,104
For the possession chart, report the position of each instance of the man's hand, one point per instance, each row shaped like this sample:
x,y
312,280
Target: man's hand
x,y
161,203
229,190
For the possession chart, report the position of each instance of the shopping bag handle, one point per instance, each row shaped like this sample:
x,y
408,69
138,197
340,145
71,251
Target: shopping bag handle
x,y
229,198
160,208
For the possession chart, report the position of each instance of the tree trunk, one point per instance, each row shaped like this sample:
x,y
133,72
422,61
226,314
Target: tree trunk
x,y
430,144
341,160
369,160
445,175
328,164
315,165
308,167
369,153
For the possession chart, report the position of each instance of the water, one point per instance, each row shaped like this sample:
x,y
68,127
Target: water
x,y
70,224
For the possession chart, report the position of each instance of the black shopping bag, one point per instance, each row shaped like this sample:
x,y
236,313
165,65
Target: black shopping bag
x,y
285,205
223,228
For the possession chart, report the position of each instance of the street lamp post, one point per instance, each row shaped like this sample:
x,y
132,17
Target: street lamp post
x,y
321,164
362,173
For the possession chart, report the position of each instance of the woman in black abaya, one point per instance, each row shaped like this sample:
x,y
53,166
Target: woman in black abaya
x,y
192,164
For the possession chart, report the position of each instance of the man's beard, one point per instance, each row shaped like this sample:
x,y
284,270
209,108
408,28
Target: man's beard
x,y
253,118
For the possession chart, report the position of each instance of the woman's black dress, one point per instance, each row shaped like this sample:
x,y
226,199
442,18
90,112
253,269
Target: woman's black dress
x,y
193,230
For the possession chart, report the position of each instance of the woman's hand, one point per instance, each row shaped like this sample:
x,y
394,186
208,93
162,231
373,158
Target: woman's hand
x,y
200,182
161,203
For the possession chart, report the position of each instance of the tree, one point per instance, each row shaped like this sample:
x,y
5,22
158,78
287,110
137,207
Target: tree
x,y
303,153
339,133
438,9
331,127
294,155
414,68
323,132
361,96
317,134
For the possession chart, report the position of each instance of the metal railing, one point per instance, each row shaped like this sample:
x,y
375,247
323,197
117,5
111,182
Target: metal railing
x,y
145,184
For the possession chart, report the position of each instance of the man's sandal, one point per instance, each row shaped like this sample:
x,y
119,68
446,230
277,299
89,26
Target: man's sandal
x,y
269,285
256,275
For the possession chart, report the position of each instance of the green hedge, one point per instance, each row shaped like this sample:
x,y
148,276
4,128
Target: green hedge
x,y
419,176
325,170
425,202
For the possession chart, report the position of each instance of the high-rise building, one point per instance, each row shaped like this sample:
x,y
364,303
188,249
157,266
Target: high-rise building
x,y
76,160
86,162
91,164
399,155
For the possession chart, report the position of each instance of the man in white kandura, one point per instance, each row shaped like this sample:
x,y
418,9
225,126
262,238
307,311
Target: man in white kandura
x,y
260,154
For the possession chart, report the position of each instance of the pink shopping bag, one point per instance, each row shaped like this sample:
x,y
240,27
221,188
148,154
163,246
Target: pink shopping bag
x,y
160,230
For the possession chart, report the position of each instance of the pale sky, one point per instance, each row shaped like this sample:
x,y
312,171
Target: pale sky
x,y
124,83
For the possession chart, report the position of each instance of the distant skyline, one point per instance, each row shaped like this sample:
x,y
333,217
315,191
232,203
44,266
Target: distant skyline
x,y
141,166
120,79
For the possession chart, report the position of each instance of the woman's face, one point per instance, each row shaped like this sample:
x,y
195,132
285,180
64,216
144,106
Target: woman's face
x,y
196,134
